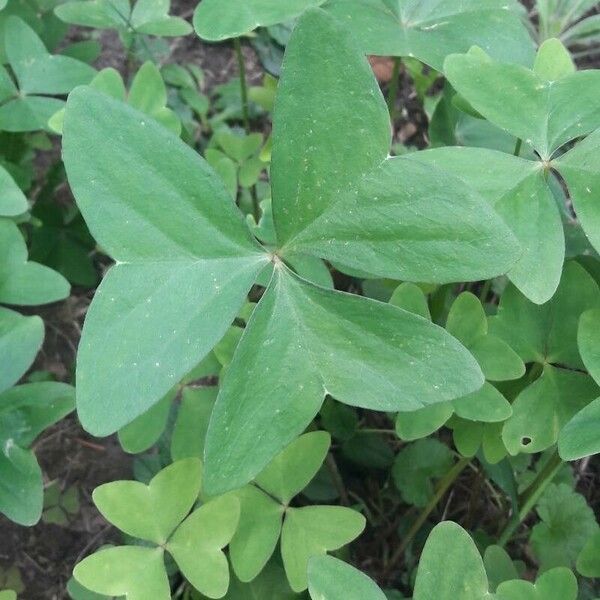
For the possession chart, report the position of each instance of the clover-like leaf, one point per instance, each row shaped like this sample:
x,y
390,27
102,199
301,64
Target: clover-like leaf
x,y
39,75
498,566
12,199
556,584
415,467
25,282
314,530
429,31
451,567
567,522
332,579
312,329
20,338
132,571
200,246
293,468
151,512
422,216
588,560
196,545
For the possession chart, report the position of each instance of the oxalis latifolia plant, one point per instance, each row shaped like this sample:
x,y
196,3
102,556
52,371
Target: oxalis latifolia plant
x,y
321,207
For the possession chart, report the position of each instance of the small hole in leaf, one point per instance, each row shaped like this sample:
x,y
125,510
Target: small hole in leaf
x,y
525,441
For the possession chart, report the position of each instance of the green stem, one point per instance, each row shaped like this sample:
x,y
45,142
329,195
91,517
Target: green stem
x,y
441,489
518,145
485,290
243,85
394,86
336,479
531,495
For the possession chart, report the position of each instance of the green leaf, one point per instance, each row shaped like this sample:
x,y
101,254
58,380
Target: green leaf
x,y
542,409
567,522
271,583
486,404
553,61
518,190
29,113
294,468
36,70
163,215
580,436
451,567
323,85
315,530
151,512
100,14
498,566
152,18
588,561
417,465
8,595
144,431
588,338
215,21
423,422
547,333
22,281
20,338
331,579
583,180
314,329
410,297
132,571
257,533
556,584
429,31
197,545
526,104
12,199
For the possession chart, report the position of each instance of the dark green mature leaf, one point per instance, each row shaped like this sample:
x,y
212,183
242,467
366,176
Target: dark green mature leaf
x,y
422,217
567,523
331,579
544,114
451,567
158,209
21,281
430,30
298,334
20,338
518,190
215,20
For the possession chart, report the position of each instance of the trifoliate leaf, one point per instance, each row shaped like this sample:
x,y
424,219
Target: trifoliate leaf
x,y
12,199
588,561
556,584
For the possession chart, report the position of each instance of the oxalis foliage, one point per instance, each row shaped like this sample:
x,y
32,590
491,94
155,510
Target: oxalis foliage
x,y
308,333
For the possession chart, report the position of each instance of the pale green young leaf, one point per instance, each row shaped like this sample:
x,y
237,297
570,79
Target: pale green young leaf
x,y
423,422
498,566
588,560
37,71
257,533
20,338
331,579
581,174
295,466
451,567
486,404
315,530
429,30
306,331
588,339
197,545
556,584
417,466
324,84
100,14
580,437
215,20
158,209
547,333
132,571
410,297
8,595
553,61
25,282
544,114
543,408
567,522
151,512
152,18
144,431
12,200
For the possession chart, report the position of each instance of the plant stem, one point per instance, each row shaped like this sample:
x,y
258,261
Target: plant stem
x,y
485,290
531,496
336,479
518,145
243,86
441,489
394,86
